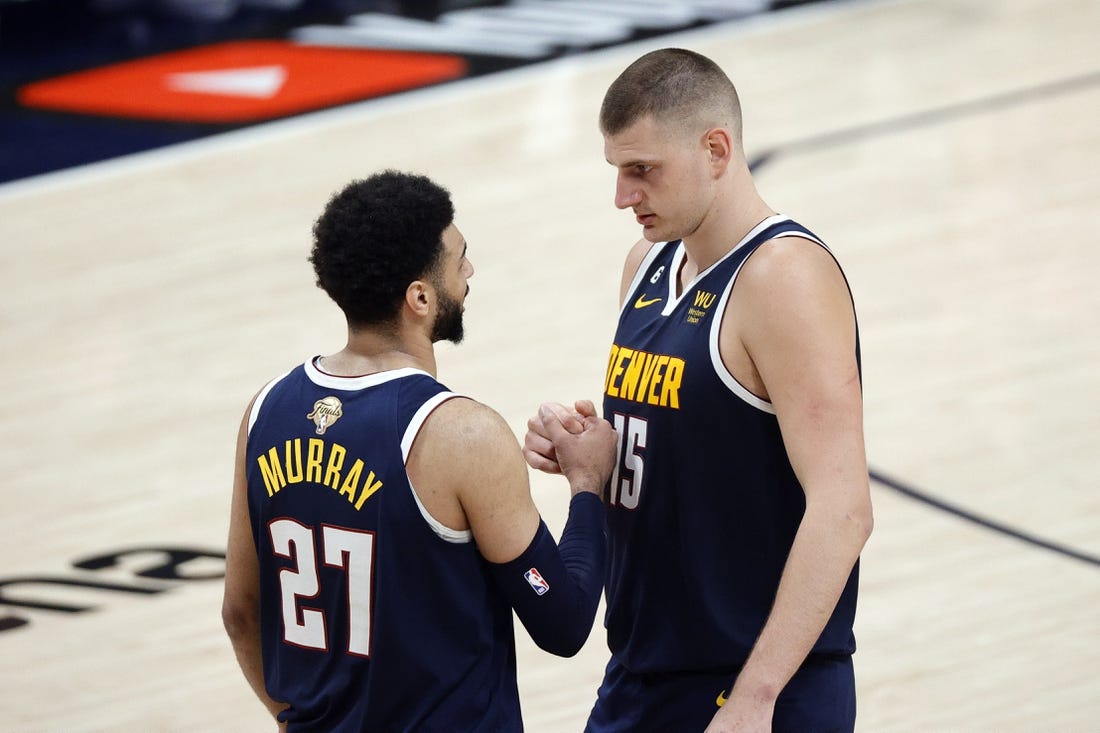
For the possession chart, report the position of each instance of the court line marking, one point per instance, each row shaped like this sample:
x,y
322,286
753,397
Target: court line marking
x,y
929,117
923,118
999,527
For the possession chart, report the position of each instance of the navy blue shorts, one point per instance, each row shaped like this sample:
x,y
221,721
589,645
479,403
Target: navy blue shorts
x,y
821,697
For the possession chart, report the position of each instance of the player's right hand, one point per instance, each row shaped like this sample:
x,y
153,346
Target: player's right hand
x,y
584,445
538,449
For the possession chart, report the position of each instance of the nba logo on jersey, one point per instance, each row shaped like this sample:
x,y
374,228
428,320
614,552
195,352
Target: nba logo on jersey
x,y
537,582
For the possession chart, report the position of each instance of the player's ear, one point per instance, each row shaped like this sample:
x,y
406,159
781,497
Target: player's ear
x,y
719,147
418,297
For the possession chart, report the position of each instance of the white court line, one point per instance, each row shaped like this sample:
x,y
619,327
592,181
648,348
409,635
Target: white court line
x,y
253,135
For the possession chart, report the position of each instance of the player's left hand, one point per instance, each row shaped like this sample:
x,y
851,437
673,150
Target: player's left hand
x,y
740,715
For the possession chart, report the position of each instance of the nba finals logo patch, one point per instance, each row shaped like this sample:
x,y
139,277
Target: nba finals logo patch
x,y
325,412
538,583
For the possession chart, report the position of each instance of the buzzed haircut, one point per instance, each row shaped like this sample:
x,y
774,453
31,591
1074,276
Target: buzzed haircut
x,y
672,85
374,238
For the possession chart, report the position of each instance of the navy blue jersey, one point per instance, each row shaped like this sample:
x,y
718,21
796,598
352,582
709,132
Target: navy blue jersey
x,y
374,616
704,505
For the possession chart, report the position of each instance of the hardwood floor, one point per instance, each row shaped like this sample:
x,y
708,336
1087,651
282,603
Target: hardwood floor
x,y
947,150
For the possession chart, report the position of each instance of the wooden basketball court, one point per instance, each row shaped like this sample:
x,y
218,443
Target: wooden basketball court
x,y
949,152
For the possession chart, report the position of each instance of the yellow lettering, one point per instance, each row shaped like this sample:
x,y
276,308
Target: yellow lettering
x,y
670,393
272,472
335,466
293,461
314,454
704,298
647,374
369,487
316,469
352,481
610,364
643,377
658,374
629,387
617,370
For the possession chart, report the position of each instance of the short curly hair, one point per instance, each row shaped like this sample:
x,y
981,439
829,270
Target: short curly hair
x,y
375,236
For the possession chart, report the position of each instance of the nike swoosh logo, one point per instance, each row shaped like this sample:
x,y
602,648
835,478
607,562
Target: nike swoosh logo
x,y
641,302
721,698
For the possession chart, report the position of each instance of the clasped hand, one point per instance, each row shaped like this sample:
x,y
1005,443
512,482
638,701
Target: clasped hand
x,y
575,443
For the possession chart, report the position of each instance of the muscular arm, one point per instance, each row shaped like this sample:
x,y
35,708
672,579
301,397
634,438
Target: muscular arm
x,y
241,600
466,451
795,323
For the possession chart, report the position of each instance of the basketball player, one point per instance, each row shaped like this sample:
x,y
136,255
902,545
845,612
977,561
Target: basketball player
x,y
740,502
382,528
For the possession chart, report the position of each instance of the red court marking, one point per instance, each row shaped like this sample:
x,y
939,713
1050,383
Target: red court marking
x,y
259,80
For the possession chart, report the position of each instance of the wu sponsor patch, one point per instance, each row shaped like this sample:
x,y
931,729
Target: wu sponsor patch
x,y
538,583
326,411
703,301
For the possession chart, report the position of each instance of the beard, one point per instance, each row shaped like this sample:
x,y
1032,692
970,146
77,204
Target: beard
x,y
448,321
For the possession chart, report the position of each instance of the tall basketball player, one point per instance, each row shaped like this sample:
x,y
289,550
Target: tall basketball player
x,y
382,527
740,502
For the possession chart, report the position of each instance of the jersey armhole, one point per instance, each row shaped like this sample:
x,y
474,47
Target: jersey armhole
x,y
719,366
445,533
715,354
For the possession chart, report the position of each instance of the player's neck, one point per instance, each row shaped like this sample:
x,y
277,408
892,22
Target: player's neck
x,y
736,210
370,351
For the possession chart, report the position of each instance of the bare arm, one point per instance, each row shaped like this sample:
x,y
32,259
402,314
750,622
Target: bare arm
x,y
797,327
465,453
469,453
241,601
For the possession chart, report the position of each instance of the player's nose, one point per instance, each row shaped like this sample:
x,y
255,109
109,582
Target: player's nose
x,y
626,194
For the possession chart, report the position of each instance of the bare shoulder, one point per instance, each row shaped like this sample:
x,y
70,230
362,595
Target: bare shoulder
x,y
790,265
634,260
465,424
790,310
464,463
463,441
469,471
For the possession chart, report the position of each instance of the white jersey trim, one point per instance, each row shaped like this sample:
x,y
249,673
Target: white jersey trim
x,y
454,536
351,384
677,262
715,357
255,412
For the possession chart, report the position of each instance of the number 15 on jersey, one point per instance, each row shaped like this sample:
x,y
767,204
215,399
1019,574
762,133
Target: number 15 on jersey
x,y
626,481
